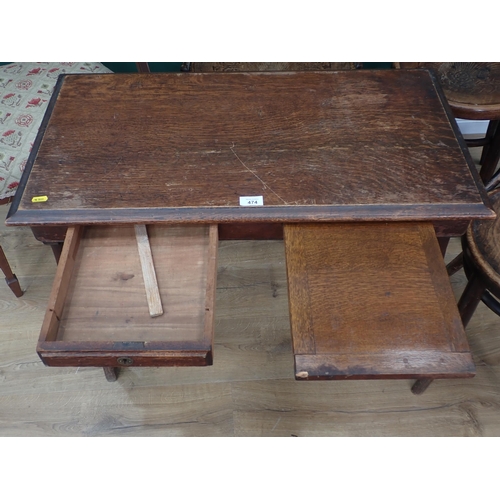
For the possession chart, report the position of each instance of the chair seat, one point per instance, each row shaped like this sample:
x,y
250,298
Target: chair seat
x,y
483,245
10,277
481,263
472,89
25,91
471,83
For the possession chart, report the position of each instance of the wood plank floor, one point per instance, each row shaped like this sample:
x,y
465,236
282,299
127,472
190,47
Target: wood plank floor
x,y
250,389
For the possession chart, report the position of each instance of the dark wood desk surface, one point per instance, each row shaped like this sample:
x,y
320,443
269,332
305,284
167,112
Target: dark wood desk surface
x,y
326,146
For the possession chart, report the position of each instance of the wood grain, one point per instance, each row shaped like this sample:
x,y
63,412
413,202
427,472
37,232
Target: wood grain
x,y
472,88
109,282
148,271
249,391
315,145
372,300
98,312
64,274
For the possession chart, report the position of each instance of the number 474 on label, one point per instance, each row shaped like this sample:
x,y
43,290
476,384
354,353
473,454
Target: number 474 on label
x,y
251,201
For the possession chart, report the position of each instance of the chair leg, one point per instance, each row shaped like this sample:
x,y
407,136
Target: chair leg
x,y
490,132
443,244
470,299
455,265
10,277
421,385
467,304
491,155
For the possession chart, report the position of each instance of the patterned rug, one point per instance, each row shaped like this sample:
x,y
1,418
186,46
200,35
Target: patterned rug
x,y
25,90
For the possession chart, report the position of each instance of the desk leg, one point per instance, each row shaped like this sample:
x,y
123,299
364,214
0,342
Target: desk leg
x,y
56,250
421,385
111,373
443,244
51,235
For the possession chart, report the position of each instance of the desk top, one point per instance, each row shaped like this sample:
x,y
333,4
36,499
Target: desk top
x,y
318,146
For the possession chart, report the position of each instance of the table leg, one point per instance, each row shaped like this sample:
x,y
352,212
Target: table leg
x,y
111,373
491,155
56,250
470,299
421,385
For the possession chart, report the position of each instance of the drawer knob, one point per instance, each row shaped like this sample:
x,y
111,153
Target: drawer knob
x,y
124,361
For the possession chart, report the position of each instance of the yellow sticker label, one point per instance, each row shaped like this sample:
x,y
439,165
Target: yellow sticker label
x,y
38,199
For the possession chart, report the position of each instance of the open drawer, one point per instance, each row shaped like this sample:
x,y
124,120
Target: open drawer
x,y
98,311
372,301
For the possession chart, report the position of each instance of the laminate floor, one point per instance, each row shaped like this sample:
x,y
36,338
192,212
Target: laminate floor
x,y
250,389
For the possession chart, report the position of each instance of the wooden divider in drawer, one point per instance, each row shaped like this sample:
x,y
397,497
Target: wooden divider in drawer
x,y
98,311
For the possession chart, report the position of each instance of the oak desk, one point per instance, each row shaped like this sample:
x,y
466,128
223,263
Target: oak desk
x,y
249,153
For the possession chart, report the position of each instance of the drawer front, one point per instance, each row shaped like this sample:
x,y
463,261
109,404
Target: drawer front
x,y
125,358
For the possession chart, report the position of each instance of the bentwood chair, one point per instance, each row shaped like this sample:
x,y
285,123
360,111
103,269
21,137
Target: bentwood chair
x,y
481,263
473,93
472,90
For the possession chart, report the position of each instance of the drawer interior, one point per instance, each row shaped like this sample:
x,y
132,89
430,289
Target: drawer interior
x,y
99,300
